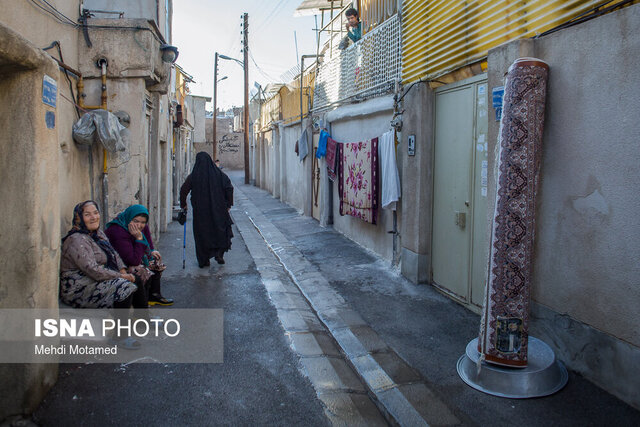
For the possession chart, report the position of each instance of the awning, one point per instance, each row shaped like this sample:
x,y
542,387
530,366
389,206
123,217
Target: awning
x,y
315,7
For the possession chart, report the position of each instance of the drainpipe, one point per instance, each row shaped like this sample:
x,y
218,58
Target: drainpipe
x,y
102,64
396,112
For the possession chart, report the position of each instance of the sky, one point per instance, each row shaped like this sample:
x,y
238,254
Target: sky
x,y
202,27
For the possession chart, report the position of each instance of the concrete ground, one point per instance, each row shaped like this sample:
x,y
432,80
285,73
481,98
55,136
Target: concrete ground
x,y
317,331
425,329
260,381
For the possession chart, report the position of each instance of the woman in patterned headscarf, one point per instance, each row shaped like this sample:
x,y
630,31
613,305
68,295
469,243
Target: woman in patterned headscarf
x,y
92,274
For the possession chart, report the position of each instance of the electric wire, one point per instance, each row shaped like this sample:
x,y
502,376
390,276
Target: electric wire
x,y
59,16
415,83
55,13
260,70
58,12
56,44
271,15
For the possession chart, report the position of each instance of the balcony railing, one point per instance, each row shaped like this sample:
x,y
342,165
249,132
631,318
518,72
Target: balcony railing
x,y
365,69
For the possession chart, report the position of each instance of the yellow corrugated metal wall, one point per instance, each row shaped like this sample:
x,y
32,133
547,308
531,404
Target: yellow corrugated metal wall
x,y
374,12
442,35
291,98
285,105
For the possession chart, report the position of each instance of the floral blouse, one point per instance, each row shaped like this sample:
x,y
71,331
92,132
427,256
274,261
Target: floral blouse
x,y
80,252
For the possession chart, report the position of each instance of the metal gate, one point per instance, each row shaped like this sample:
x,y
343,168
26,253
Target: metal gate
x,y
459,237
315,178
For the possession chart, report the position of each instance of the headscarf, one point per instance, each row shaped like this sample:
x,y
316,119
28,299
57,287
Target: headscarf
x,y
78,226
125,217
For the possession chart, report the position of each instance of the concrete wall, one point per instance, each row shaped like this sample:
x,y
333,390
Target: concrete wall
x,y
199,126
165,147
37,188
230,147
267,161
280,171
29,160
416,175
154,10
363,121
130,54
137,84
145,9
586,268
295,177
44,173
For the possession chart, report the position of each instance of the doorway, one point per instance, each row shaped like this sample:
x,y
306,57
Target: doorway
x,y
459,237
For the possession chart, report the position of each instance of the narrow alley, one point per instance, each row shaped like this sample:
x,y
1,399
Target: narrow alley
x,y
432,206
318,331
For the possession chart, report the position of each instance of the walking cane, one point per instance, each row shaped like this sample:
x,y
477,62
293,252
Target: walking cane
x,y
184,244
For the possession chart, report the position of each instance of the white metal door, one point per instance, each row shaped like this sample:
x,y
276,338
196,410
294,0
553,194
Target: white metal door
x,y
459,200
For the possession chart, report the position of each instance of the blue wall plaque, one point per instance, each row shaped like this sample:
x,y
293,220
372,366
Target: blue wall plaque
x,y
49,91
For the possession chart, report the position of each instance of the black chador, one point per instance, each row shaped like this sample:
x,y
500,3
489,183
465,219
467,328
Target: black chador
x,y
211,198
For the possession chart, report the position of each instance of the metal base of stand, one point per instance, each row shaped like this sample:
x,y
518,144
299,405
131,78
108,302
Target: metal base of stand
x,y
543,376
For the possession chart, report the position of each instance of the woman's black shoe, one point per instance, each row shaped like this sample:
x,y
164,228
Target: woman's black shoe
x,y
220,260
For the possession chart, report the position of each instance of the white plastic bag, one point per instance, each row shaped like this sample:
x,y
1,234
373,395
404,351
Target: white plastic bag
x,y
102,126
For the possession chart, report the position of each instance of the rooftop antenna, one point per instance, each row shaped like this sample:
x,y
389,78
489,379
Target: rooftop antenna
x,y
295,38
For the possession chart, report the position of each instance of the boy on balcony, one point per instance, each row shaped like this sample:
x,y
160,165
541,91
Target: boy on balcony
x,y
354,28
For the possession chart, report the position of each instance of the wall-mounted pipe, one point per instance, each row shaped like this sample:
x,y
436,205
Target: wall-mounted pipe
x,y
102,64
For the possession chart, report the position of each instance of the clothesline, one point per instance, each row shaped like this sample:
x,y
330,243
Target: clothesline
x,y
356,166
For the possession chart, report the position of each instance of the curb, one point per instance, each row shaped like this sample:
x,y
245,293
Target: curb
x,y
405,399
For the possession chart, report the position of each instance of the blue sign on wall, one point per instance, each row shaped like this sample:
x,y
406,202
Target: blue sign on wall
x,y
50,119
497,94
49,91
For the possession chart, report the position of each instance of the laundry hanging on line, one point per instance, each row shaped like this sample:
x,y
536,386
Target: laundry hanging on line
x,y
322,144
389,176
332,155
303,142
358,180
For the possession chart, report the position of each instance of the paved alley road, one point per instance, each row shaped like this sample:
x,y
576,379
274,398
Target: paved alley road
x,y
317,331
258,383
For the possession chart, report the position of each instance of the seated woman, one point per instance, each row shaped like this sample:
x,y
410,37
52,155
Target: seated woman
x,y
92,275
130,236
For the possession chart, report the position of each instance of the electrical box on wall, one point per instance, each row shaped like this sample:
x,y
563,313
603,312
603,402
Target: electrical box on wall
x,y
411,145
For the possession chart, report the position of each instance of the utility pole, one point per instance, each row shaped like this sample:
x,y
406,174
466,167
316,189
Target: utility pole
x,y
245,27
214,155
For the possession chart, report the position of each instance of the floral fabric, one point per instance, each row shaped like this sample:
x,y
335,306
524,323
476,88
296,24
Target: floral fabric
x,y
81,291
358,180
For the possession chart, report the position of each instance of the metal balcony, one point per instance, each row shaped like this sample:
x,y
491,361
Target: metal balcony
x,y
366,69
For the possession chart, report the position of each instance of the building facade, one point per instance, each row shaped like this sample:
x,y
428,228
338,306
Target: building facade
x,y
428,71
59,61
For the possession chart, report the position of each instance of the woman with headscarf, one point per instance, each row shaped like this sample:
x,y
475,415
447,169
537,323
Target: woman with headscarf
x,y
211,198
130,236
92,274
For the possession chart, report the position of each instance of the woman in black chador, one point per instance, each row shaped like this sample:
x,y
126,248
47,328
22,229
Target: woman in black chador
x,y
211,198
